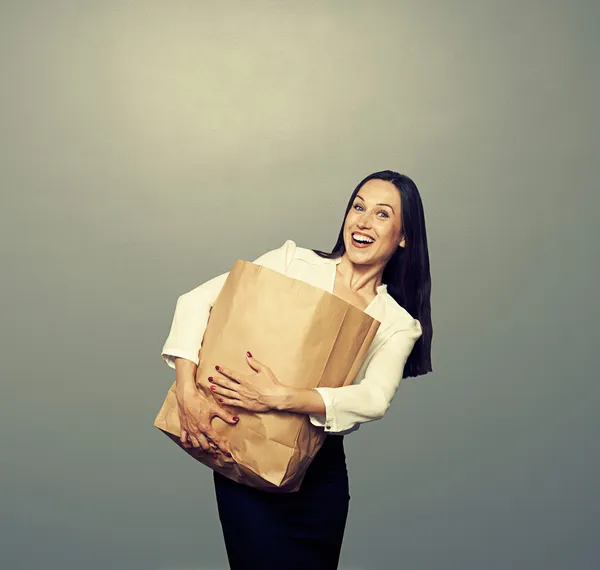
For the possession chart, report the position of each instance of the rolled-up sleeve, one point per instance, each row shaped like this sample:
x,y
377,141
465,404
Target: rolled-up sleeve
x,y
193,308
371,397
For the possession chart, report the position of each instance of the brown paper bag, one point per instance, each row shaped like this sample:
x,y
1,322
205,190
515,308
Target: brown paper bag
x,y
307,337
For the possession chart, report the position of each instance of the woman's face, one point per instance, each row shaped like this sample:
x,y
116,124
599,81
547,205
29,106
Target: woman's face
x,y
375,212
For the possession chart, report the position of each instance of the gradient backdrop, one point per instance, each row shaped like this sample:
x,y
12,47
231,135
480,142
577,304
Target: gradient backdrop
x,y
145,146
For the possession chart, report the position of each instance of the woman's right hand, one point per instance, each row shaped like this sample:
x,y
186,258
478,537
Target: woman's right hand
x,y
196,411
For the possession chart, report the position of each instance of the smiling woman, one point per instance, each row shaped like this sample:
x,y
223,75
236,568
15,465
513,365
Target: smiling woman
x,y
372,224
380,263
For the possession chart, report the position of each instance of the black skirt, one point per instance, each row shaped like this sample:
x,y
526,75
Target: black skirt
x,y
294,531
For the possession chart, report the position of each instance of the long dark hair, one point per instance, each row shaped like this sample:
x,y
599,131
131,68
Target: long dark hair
x,y
406,274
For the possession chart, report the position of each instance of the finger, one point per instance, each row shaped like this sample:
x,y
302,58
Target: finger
x,y
227,392
194,440
211,448
231,402
229,373
213,441
187,440
253,362
204,444
211,435
200,441
226,417
223,383
219,446
184,437
222,448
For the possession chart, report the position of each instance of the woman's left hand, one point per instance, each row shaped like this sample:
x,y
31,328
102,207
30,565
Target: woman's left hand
x,y
258,392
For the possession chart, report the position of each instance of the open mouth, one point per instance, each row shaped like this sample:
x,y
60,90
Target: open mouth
x,y
361,241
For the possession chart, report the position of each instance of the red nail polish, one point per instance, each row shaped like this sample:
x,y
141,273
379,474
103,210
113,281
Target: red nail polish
x,y
212,388
249,354
220,399
236,419
217,367
210,378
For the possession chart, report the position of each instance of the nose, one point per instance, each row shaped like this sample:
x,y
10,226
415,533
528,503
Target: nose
x,y
364,221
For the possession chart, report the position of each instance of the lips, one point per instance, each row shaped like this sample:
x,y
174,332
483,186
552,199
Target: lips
x,y
362,234
358,244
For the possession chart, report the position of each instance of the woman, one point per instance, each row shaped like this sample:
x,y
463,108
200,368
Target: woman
x,y
380,264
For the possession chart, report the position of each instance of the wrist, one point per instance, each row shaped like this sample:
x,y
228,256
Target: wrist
x,y
186,389
284,401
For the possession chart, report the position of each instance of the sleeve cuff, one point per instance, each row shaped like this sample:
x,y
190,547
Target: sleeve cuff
x,y
169,355
326,421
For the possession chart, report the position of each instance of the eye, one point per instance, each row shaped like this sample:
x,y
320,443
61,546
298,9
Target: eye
x,y
385,214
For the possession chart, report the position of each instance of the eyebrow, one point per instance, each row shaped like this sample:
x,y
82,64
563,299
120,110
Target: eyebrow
x,y
359,196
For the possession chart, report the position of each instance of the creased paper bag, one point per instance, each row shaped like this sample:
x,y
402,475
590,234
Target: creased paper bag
x,y
307,337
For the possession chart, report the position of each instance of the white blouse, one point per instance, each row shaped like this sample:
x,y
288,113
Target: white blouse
x,y
371,393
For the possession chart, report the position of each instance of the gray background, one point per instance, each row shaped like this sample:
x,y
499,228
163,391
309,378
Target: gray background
x,y
147,145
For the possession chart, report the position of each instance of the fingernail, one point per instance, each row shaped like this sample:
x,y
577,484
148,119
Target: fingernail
x,y
249,354
220,399
214,455
236,419
210,378
212,388
217,367
228,454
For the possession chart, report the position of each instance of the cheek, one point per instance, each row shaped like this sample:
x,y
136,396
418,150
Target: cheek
x,y
387,232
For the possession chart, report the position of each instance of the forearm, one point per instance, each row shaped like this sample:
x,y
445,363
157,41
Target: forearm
x,y
300,401
185,375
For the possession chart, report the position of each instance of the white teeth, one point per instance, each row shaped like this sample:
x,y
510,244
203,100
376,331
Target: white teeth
x,y
362,239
